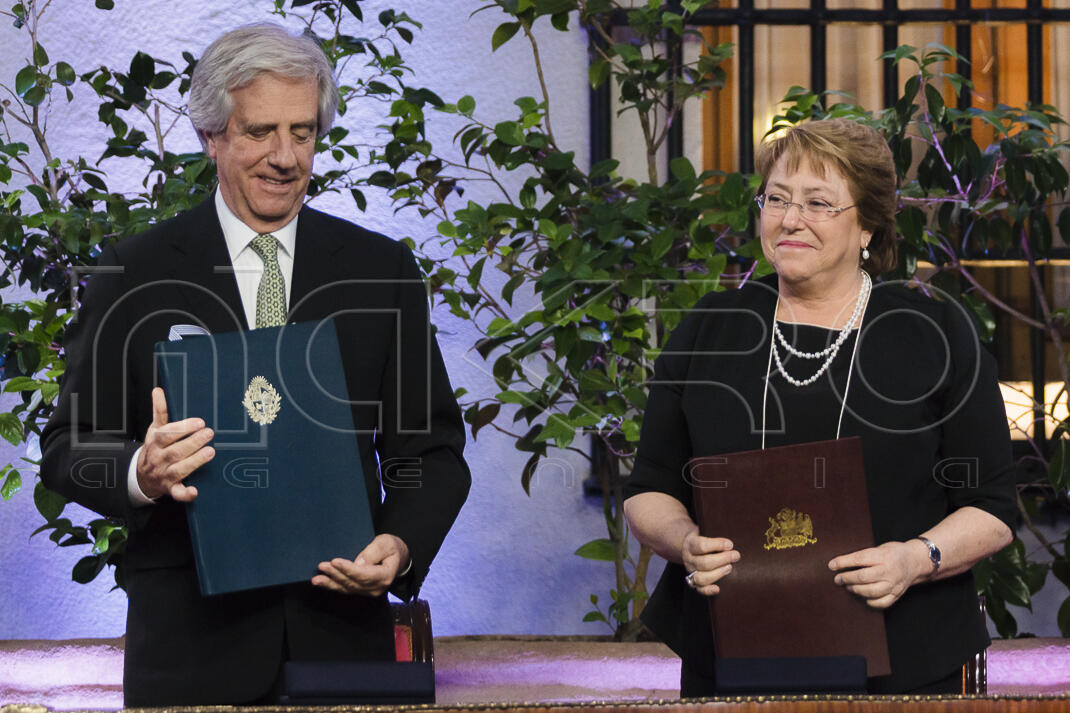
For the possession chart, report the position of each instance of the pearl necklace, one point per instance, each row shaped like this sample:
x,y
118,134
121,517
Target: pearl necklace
x,y
829,352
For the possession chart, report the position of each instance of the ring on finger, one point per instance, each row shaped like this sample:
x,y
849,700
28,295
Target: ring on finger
x,y
690,579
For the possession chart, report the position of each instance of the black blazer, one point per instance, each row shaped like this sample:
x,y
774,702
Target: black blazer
x,y
182,648
924,394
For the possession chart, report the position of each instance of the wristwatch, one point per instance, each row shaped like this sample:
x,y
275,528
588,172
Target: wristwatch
x,y
934,552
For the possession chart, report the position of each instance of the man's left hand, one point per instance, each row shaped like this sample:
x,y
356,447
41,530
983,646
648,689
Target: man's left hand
x,y
371,573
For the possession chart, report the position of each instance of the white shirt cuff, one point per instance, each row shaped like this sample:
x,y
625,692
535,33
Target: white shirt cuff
x,y
137,498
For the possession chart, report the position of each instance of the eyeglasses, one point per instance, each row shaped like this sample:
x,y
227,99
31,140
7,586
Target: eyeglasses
x,y
812,210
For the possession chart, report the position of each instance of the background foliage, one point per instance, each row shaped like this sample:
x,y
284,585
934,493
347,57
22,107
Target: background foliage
x,y
574,279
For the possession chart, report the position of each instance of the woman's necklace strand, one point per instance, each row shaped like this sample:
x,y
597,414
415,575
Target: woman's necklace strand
x,y
828,352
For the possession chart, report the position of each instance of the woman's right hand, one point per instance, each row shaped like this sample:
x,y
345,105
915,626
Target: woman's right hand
x,y
709,558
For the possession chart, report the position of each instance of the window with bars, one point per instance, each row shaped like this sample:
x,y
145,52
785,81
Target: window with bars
x,y
1007,48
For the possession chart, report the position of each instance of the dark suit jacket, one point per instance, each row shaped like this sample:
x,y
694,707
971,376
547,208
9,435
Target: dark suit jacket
x,y
182,648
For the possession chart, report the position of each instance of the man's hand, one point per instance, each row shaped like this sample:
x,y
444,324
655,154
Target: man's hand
x,y
880,575
371,573
171,452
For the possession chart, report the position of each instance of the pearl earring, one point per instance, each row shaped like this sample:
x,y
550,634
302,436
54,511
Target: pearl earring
x,y
865,253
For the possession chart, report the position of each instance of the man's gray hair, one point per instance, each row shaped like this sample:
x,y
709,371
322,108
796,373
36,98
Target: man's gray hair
x,y
237,58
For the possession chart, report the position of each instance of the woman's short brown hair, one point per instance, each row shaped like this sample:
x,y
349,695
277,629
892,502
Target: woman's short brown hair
x,y
863,158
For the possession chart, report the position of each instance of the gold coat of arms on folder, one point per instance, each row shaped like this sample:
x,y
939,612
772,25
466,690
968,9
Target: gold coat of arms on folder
x,y
789,529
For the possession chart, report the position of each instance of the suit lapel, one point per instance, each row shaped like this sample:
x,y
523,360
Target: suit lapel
x,y
203,269
316,253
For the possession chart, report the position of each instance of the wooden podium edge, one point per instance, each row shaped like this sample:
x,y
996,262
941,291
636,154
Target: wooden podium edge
x,y
741,704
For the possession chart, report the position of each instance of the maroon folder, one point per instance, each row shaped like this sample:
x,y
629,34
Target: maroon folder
x,y
788,511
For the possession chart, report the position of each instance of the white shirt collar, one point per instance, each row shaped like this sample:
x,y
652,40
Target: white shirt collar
x,y
238,235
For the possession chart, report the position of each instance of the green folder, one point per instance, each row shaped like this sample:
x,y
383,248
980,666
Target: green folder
x,y
285,490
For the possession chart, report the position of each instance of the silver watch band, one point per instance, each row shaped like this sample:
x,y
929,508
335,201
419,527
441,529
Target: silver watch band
x,y
934,552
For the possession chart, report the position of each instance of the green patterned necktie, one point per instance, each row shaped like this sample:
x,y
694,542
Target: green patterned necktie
x,y
271,295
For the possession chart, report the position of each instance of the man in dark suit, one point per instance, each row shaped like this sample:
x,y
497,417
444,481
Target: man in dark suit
x,y
259,98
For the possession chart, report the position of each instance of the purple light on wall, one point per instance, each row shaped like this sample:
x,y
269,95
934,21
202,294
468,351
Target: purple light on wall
x,y
65,675
1029,667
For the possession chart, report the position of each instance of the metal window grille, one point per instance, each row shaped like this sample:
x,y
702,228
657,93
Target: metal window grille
x,y
817,18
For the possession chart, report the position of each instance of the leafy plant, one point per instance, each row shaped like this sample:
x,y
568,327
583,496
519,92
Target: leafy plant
x,y
576,278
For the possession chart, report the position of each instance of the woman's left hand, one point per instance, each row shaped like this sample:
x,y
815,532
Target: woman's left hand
x,y
881,574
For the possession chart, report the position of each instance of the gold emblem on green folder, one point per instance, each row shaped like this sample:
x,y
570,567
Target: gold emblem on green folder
x,y
789,529
262,401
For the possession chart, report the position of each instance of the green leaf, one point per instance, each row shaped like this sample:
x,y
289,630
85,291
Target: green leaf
x,y
681,169
899,53
1059,466
482,417
105,4
1006,626
142,69
1060,568
503,33
595,381
466,104
510,287
21,383
935,102
48,503
87,569
602,550
12,483
359,199
102,541
1013,590
49,391
25,80
1063,618
598,73
509,132
354,9
35,96
40,57
11,428
559,429
65,74
629,53
595,616
609,165
529,472
980,309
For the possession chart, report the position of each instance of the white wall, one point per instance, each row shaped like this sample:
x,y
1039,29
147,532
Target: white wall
x,y
507,566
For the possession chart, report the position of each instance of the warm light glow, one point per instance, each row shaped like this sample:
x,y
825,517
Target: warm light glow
x,y
1018,400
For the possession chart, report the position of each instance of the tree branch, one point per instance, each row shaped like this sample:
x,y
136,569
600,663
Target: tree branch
x,y
542,79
